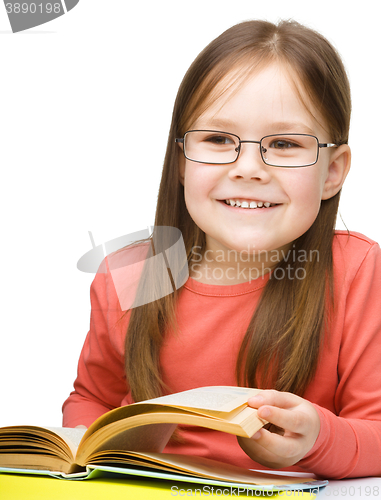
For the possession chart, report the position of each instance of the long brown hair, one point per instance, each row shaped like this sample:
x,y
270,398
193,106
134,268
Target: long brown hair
x,y
291,317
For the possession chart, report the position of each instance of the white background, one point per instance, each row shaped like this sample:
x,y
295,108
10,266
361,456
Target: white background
x,y
85,108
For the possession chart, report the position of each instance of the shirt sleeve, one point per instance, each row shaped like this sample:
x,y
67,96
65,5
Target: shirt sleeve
x,y
100,385
349,442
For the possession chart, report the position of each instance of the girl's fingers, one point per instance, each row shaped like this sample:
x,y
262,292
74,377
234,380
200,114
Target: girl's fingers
x,y
274,398
295,421
285,410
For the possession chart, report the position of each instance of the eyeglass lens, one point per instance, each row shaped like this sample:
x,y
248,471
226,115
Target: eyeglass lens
x,y
286,150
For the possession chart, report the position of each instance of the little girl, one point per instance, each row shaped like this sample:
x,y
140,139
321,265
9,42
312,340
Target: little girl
x,y
276,298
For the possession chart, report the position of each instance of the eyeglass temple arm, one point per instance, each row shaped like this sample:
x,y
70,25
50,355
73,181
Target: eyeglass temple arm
x,y
179,140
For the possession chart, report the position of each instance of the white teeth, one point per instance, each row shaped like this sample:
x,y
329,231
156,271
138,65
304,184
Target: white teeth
x,y
247,204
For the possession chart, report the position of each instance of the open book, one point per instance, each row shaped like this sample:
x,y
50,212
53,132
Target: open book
x,y
130,440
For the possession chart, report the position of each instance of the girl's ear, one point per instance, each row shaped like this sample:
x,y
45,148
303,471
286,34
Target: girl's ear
x,y
338,169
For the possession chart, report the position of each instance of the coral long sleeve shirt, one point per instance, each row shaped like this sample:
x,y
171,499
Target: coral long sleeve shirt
x,y
212,320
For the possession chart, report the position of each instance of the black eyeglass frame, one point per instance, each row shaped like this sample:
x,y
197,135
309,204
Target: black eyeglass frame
x,y
181,140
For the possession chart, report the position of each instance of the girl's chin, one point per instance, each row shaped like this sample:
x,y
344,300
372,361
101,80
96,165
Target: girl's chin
x,y
245,246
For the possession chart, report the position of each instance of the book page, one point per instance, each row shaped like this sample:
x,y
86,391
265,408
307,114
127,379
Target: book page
x,y
215,398
151,438
71,436
219,402
39,447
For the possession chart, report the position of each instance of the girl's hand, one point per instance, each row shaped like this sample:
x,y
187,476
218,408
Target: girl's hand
x,y
294,430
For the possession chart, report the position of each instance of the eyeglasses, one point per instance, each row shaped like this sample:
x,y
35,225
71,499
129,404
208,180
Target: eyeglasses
x,y
280,150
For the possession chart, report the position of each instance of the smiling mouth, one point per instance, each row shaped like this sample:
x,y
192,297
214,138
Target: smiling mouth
x,y
251,204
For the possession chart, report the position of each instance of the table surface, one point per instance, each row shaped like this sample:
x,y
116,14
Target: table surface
x,y
352,489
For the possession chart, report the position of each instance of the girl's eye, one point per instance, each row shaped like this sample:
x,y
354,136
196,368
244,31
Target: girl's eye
x,y
282,144
219,140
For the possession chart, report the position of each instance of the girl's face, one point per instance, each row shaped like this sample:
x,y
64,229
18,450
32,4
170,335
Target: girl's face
x,y
267,103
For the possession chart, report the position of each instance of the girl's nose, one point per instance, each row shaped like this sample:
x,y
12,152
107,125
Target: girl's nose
x,y
249,164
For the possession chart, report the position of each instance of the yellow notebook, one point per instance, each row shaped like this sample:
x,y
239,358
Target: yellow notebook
x,y
28,487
